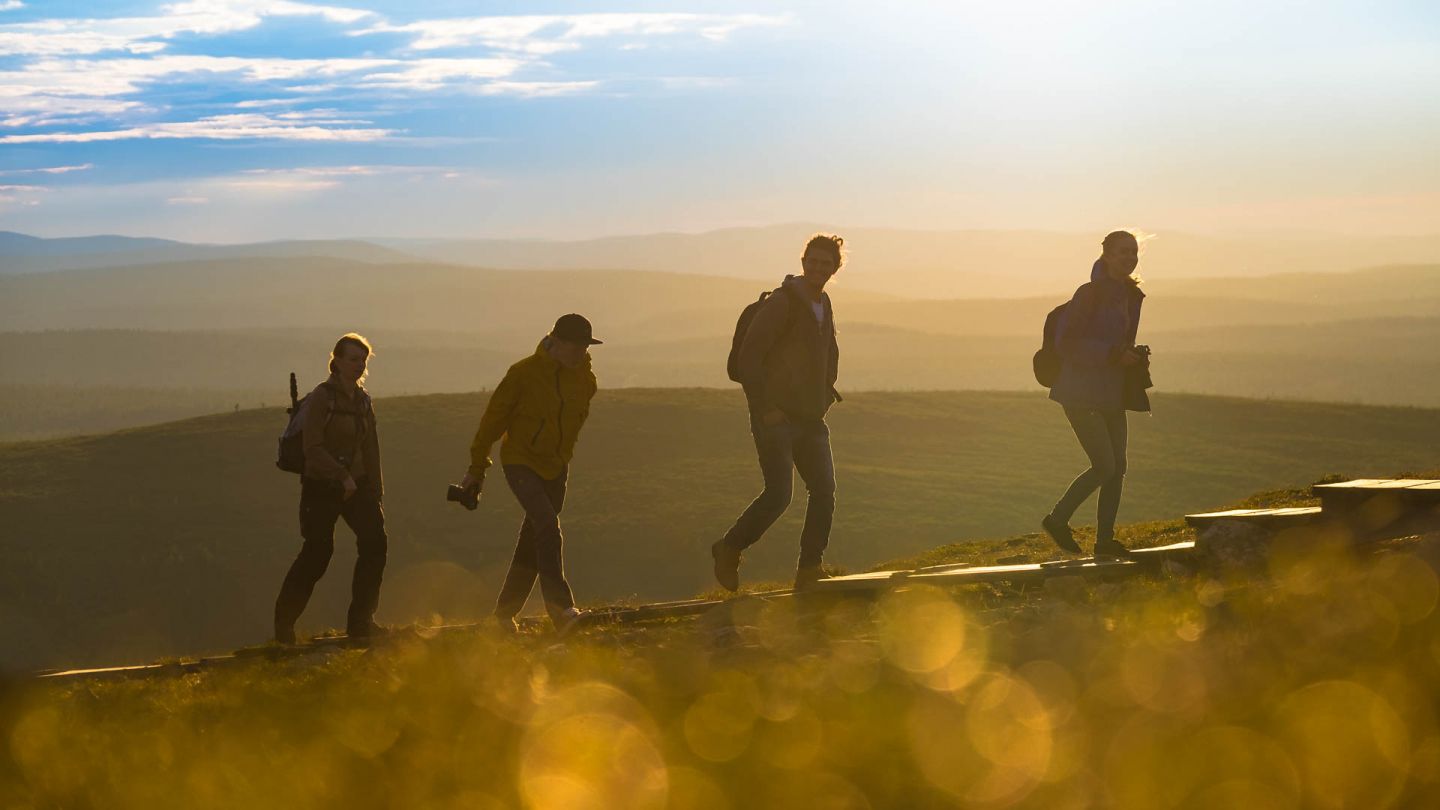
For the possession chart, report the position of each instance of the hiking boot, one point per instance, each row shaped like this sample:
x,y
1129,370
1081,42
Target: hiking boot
x,y
1112,549
366,631
285,635
727,565
568,621
1060,532
807,575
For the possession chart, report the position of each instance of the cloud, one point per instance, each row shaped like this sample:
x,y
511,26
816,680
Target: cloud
x,y
55,37
540,35
218,127
116,75
11,5
49,170
187,200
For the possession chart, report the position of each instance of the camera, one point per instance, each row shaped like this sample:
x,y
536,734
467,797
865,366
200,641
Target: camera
x,y
468,498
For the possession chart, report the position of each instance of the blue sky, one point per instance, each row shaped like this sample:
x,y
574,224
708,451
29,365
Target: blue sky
x,y
233,120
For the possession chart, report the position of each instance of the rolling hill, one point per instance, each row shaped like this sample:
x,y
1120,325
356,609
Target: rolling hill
x,y
173,538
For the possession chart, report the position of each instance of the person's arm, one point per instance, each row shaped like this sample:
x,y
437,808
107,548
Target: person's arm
x,y
764,332
319,463
834,370
373,468
1073,339
493,425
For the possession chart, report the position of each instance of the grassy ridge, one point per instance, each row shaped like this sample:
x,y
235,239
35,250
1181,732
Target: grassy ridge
x,y
1308,683
173,539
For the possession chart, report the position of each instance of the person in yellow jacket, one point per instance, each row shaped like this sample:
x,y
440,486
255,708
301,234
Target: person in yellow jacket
x,y
539,408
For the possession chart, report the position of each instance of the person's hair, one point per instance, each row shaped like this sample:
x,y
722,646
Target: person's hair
x,y
351,339
827,242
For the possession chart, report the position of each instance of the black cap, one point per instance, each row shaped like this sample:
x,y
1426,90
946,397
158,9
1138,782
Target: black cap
x,y
574,329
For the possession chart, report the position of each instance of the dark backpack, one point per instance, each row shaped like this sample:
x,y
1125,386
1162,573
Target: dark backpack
x,y
291,452
1047,360
742,325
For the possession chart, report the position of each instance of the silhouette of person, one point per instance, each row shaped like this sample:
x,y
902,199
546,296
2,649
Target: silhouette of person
x,y
342,479
1099,368
539,408
788,363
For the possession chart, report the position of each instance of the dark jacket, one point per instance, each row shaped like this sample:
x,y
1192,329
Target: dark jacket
x,y
340,437
539,407
789,360
1097,327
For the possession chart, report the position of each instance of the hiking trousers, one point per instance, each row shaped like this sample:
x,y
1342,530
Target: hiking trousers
x,y
538,550
793,446
322,503
1103,434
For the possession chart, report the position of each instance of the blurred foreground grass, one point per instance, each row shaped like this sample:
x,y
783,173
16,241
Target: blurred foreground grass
x,y
1310,683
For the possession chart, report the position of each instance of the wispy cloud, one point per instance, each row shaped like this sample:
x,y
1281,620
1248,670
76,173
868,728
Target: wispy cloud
x,y
218,127
187,200
11,5
544,34
48,170
56,37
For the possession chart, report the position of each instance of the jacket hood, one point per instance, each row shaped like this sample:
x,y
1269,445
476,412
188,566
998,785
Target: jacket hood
x,y
551,363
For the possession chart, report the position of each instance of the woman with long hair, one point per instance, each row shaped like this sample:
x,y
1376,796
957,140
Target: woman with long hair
x,y
1102,375
342,479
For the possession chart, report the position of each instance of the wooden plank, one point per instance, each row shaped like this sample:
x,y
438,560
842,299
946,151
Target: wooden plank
x,y
1358,483
1283,517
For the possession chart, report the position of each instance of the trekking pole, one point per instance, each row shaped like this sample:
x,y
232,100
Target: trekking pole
x,y
294,395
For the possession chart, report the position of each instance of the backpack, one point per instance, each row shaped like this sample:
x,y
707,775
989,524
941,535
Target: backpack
x,y
1047,361
742,325
290,456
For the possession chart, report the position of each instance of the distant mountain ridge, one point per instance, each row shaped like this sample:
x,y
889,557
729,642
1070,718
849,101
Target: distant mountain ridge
x,y
22,254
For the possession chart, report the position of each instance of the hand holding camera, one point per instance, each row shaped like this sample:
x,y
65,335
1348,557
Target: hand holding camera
x,y
466,493
1138,355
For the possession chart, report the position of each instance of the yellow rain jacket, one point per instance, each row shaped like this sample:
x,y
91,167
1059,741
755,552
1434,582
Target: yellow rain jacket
x,y
539,408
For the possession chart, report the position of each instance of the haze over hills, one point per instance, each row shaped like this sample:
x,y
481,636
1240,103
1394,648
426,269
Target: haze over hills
x,y
98,349
899,262
935,264
173,539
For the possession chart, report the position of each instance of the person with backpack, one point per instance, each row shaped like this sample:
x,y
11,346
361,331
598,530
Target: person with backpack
x,y
786,357
334,428
539,408
1098,374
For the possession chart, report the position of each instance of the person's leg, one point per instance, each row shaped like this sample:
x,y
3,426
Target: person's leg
x,y
1094,436
775,450
366,517
319,509
542,501
816,465
1118,432
520,579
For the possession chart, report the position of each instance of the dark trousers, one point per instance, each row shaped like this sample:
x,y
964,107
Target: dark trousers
x,y
538,551
795,446
1103,435
321,504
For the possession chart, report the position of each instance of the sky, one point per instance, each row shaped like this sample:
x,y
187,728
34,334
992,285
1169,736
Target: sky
x,y
245,120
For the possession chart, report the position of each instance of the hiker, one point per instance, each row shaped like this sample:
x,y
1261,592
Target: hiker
x,y
1098,381
341,479
787,361
539,408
